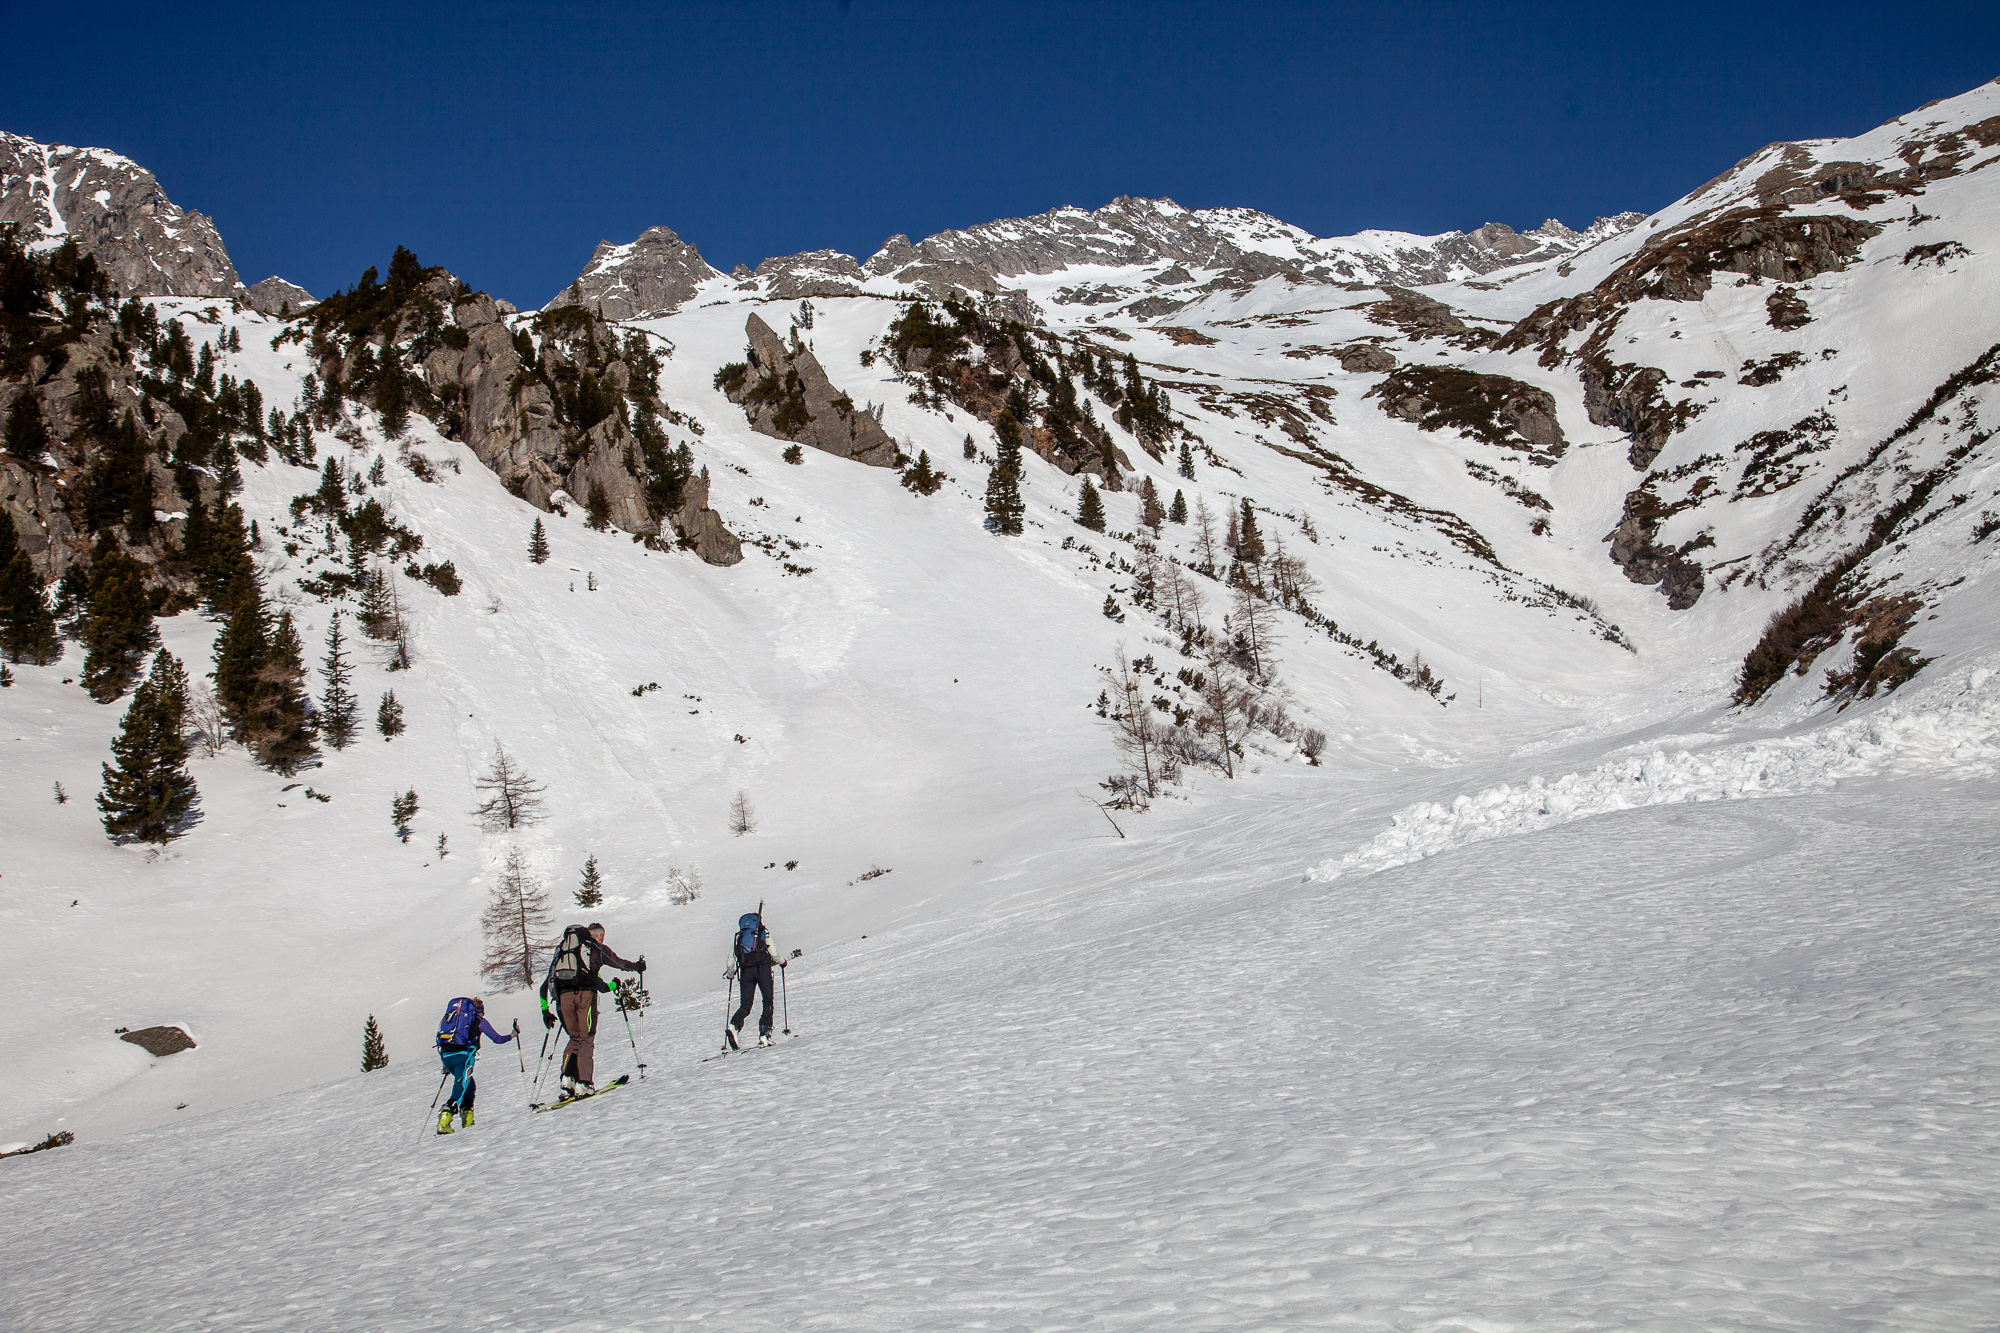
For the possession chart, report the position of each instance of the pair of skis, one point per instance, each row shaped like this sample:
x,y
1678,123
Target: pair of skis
x,y
561,1102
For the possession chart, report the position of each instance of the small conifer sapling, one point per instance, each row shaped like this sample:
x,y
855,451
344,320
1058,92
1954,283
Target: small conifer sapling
x,y
374,1053
591,892
389,717
538,544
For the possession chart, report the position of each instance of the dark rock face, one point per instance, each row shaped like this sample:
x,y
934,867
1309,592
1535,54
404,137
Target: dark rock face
x,y
274,294
787,396
40,498
1628,398
1364,359
654,275
1787,310
160,1040
507,413
116,211
1491,408
1419,317
1633,548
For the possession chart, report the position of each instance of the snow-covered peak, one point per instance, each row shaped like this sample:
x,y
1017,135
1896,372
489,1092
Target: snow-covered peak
x,y
114,209
656,273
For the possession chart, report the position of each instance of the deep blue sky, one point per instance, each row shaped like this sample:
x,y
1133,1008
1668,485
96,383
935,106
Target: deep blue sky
x,y
503,142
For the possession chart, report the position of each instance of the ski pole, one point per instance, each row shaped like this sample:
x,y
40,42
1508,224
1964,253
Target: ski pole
x,y
785,992
434,1101
541,1066
522,1055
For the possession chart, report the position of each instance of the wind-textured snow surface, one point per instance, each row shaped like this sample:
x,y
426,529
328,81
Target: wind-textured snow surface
x,y
1727,1066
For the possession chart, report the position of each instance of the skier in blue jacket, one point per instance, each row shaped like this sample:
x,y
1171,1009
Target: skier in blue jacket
x,y
458,1057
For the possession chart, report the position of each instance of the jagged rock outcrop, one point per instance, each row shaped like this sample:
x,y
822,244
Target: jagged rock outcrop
x,y
1365,359
786,395
818,273
1634,549
115,210
563,408
46,499
275,296
656,274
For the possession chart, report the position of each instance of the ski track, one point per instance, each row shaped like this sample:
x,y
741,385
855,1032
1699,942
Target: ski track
x,y
1953,731
1727,1066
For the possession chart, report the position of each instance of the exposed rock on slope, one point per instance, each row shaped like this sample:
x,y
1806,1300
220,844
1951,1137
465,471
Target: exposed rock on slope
x,y
561,407
275,296
1490,408
115,210
654,275
786,395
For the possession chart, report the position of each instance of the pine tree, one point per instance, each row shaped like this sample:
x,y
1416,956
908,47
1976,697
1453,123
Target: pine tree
x,y
515,800
1004,506
27,432
377,613
1090,508
1187,461
538,544
403,809
331,497
389,717
592,892
1150,513
392,395
239,658
742,817
374,1054
920,477
1249,543
224,556
281,730
146,798
1177,512
597,509
516,924
27,627
118,631
339,712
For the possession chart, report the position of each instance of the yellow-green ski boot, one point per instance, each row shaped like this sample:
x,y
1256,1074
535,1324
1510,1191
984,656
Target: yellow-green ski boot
x,y
465,1118
444,1121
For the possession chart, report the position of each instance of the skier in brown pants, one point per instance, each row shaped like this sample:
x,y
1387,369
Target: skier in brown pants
x,y
573,981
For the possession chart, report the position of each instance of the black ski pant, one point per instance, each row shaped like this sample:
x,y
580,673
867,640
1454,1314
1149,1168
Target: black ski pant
x,y
753,980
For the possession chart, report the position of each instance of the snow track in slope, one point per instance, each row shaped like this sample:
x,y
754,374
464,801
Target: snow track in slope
x,y
1947,730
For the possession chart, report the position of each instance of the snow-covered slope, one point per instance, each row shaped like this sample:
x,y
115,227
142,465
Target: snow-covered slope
x,y
1511,1012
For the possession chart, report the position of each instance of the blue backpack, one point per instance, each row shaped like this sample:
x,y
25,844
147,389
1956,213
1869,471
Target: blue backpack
x,y
750,936
460,1025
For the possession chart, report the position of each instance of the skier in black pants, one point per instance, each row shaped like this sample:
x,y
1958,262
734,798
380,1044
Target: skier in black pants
x,y
751,960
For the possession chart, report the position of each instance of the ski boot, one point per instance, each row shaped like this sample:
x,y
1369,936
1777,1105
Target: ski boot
x,y
465,1118
444,1120
568,1088
764,1039
729,1042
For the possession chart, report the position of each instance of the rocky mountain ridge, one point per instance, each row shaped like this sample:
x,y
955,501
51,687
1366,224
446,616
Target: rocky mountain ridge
x,y
115,209
1233,248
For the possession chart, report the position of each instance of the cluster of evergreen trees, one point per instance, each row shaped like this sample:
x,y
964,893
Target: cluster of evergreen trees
x,y
46,301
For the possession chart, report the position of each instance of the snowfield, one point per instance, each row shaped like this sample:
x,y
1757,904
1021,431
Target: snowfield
x,y
1718,1066
1570,997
